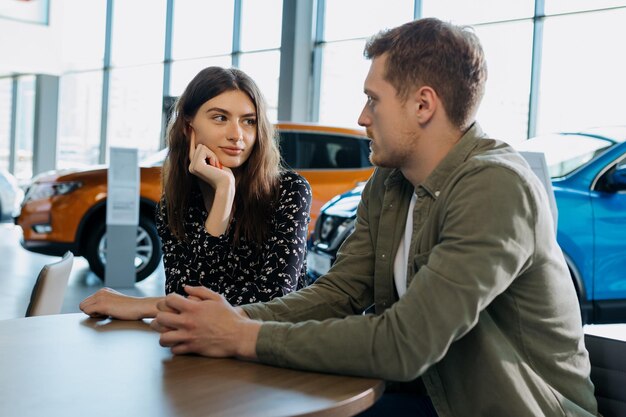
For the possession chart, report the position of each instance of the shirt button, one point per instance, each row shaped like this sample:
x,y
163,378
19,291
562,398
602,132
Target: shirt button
x,y
436,193
383,256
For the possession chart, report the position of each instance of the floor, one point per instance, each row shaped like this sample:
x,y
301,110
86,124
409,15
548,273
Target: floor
x,y
19,269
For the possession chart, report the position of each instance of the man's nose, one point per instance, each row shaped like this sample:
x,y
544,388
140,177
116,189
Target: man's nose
x,y
364,118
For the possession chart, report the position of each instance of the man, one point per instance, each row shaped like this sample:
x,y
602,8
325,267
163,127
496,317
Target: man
x,y
454,246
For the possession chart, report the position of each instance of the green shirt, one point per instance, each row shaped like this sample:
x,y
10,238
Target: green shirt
x,y
490,320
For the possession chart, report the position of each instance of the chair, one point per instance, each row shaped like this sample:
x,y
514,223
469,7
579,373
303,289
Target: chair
x,y
49,290
608,374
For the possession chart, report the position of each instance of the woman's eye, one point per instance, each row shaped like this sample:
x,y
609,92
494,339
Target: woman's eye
x,y
219,118
250,122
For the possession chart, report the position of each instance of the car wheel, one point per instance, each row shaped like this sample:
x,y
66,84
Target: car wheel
x,y
148,253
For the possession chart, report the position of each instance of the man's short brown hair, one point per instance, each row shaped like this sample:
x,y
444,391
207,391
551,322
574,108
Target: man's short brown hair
x,y
429,52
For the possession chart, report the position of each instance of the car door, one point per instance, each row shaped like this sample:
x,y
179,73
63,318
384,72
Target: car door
x,y
609,209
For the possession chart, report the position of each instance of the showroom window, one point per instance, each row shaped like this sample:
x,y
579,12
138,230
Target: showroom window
x,y
237,36
260,37
202,29
507,45
569,6
261,24
135,108
580,90
80,103
264,68
184,71
82,34
503,112
478,11
24,127
138,33
6,97
343,67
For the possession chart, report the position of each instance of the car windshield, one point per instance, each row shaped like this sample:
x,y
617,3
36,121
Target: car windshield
x,y
565,153
155,160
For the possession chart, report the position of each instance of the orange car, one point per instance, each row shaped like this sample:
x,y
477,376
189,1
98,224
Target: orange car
x,y
67,211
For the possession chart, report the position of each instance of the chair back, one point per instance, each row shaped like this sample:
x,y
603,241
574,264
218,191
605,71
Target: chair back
x,y
49,290
608,374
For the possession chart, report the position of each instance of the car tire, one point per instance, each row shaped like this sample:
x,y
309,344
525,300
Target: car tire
x,y
148,254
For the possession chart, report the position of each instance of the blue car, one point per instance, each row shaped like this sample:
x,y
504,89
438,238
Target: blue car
x,y
588,172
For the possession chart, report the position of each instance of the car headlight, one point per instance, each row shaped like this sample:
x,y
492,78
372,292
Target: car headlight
x,y
40,191
332,231
345,227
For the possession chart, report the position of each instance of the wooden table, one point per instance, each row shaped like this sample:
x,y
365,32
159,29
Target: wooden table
x,y
70,365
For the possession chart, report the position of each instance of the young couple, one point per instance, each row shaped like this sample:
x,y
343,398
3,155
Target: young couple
x,y
454,246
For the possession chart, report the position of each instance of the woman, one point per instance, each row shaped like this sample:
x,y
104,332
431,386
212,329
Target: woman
x,y
230,218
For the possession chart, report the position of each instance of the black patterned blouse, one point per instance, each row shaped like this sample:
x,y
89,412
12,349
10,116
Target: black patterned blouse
x,y
246,273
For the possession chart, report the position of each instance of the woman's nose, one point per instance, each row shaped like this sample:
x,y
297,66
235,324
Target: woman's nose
x,y
235,133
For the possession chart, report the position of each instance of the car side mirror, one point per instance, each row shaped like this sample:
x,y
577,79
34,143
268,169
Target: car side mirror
x,y
617,178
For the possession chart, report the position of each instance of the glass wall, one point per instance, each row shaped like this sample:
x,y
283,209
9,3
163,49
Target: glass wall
x,y
570,58
568,6
576,62
6,98
343,67
138,35
582,71
78,132
82,34
503,112
261,24
478,11
24,127
135,108
184,71
261,30
251,39
192,37
264,68
341,91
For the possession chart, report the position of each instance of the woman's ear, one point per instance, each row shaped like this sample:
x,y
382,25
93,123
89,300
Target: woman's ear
x,y
188,128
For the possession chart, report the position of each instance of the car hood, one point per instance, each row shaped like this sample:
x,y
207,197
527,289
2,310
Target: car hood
x,y
70,174
97,172
344,205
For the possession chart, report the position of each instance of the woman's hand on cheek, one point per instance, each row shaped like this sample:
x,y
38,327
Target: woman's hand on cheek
x,y
205,165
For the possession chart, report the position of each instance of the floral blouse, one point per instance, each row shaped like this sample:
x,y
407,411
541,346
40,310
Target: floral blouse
x,y
247,273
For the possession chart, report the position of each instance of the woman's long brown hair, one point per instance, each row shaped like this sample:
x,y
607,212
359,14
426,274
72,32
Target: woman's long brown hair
x,y
258,179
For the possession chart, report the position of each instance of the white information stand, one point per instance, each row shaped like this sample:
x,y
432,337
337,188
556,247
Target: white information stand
x,y
122,217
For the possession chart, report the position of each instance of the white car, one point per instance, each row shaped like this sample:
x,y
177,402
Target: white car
x,y
11,196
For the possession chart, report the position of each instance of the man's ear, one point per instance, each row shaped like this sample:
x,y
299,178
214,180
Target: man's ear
x,y
425,100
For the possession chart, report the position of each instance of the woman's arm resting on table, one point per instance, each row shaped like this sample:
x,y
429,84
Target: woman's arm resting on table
x,y
110,303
